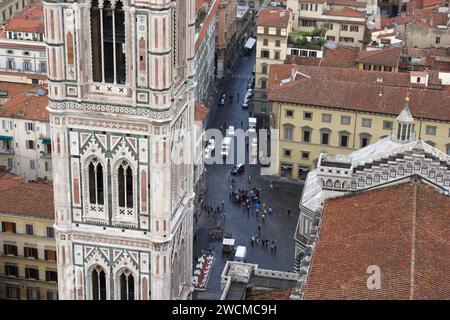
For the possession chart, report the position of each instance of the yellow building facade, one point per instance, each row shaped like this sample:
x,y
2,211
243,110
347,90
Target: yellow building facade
x,y
27,244
306,131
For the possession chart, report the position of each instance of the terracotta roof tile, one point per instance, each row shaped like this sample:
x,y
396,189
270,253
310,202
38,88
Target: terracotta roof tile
x,y
376,228
386,57
280,294
359,90
345,12
30,19
29,199
8,180
21,99
343,57
276,18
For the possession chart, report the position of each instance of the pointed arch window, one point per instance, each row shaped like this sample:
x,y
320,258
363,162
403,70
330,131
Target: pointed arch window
x,y
125,185
96,183
98,284
126,285
108,41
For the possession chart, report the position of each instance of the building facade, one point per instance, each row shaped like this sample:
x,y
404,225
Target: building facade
x,y
28,257
226,36
23,49
121,101
25,143
272,29
205,45
313,119
9,8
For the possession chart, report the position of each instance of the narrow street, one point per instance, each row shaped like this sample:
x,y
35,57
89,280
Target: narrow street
x,y
280,226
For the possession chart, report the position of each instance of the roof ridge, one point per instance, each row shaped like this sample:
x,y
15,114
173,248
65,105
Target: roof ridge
x,y
413,243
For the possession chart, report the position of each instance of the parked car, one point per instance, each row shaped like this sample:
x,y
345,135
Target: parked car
x,y
249,92
222,100
246,101
211,144
230,131
237,169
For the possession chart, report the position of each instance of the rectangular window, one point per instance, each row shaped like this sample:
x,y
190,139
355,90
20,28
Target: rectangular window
x,y
30,252
306,136
344,141
367,66
51,276
265,54
8,227
387,69
50,255
289,113
26,65
277,55
29,229
52,295
266,42
7,124
43,67
345,120
10,249
50,232
346,39
307,115
387,125
277,43
308,23
29,126
365,141
11,270
32,165
367,123
431,130
12,292
344,27
288,133
325,137
30,144
48,166
264,68
326,117
305,155
438,40
304,6
31,273
287,153
354,28
331,38
10,64
33,294
10,163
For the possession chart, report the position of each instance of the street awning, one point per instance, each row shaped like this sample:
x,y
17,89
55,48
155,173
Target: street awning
x,y
5,138
46,141
250,43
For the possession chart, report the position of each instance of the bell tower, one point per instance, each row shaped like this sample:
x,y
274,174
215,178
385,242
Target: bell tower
x,y
121,103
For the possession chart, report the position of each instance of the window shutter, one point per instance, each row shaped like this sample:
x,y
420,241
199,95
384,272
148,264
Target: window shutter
x,y
3,226
14,228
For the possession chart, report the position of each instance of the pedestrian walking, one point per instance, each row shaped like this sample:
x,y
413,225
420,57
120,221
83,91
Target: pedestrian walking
x,y
289,211
263,216
259,228
249,179
252,240
270,211
275,248
242,124
223,205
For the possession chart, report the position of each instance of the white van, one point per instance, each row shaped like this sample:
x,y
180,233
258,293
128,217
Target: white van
x,y
225,147
252,123
241,252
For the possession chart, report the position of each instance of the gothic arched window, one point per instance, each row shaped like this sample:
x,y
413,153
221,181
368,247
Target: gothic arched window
x,y
125,185
108,41
96,186
98,284
126,285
